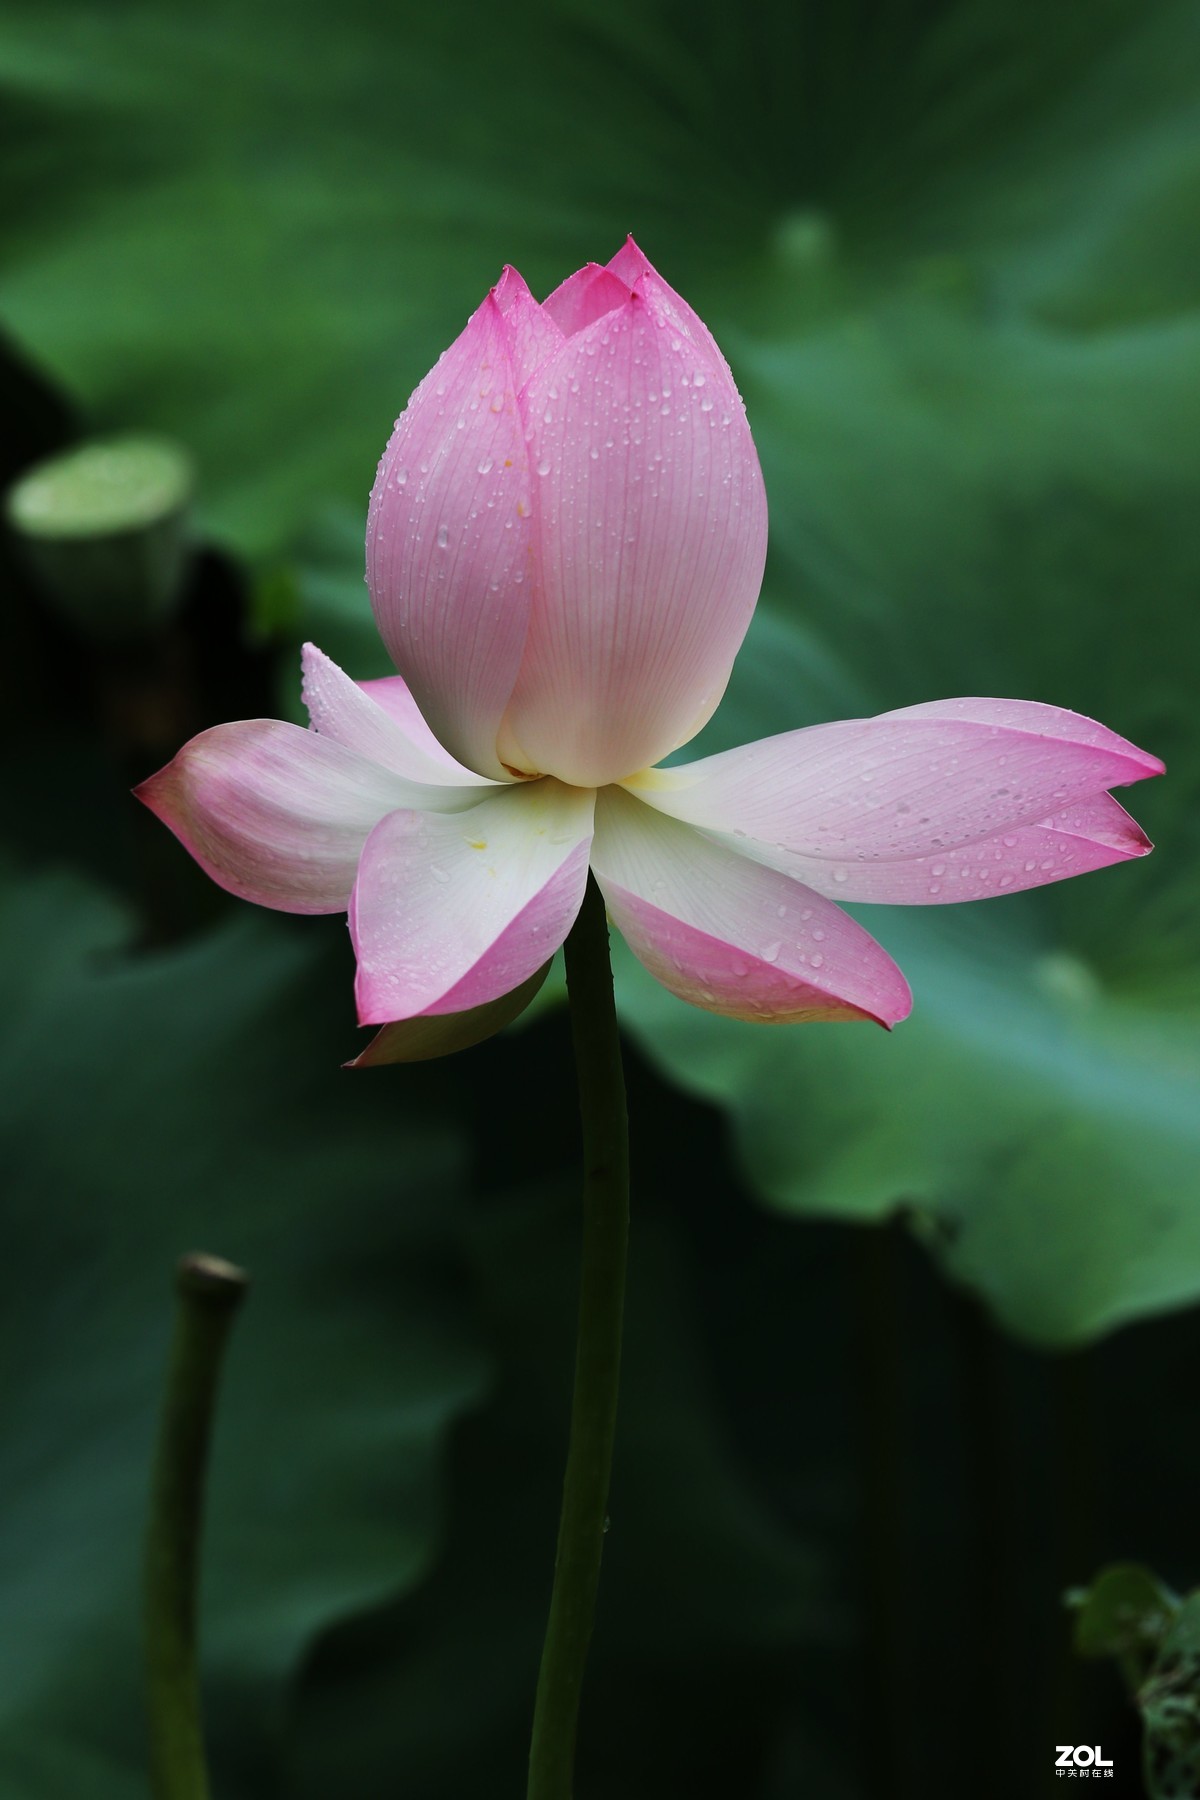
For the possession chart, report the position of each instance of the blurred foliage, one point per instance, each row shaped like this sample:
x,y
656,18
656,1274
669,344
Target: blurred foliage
x,y
1155,1637
1126,1613
949,249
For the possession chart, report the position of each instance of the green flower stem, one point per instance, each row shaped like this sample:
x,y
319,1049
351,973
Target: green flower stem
x,y
598,1351
208,1293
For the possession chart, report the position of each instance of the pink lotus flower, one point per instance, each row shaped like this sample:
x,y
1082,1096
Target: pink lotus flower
x,y
564,548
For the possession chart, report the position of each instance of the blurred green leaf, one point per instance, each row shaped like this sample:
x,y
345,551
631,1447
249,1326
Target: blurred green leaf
x,y
1125,1613
193,1099
707,1600
1040,1129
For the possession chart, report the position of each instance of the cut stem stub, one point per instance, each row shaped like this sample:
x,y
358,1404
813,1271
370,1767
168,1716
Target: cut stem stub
x,y
208,1294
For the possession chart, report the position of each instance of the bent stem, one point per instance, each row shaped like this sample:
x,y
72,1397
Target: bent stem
x,y
598,1351
208,1293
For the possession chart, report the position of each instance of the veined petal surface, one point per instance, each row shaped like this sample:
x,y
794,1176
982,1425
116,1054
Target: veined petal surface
x,y
381,721
277,814
451,911
905,784
1092,835
633,267
448,537
430,1035
530,332
584,297
731,935
649,537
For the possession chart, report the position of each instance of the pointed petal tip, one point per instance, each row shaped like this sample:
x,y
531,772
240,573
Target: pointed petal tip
x,y
511,286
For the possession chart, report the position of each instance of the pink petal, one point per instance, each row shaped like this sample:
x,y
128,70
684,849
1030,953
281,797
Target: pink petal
x,y
633,268
531,332
275,813
380,720
1034,716
585,296
451,912
649,535
440,1034
629,265
448,538
1074,842
731,935
906,784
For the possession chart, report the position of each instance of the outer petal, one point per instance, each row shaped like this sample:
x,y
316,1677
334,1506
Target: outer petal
x,y
448,534
907,784
726,933
440,1034
381,721
1074,842
632,267
450,912
531,333
649,537
275,813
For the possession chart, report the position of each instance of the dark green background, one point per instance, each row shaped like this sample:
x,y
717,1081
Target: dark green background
x,y
951,252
